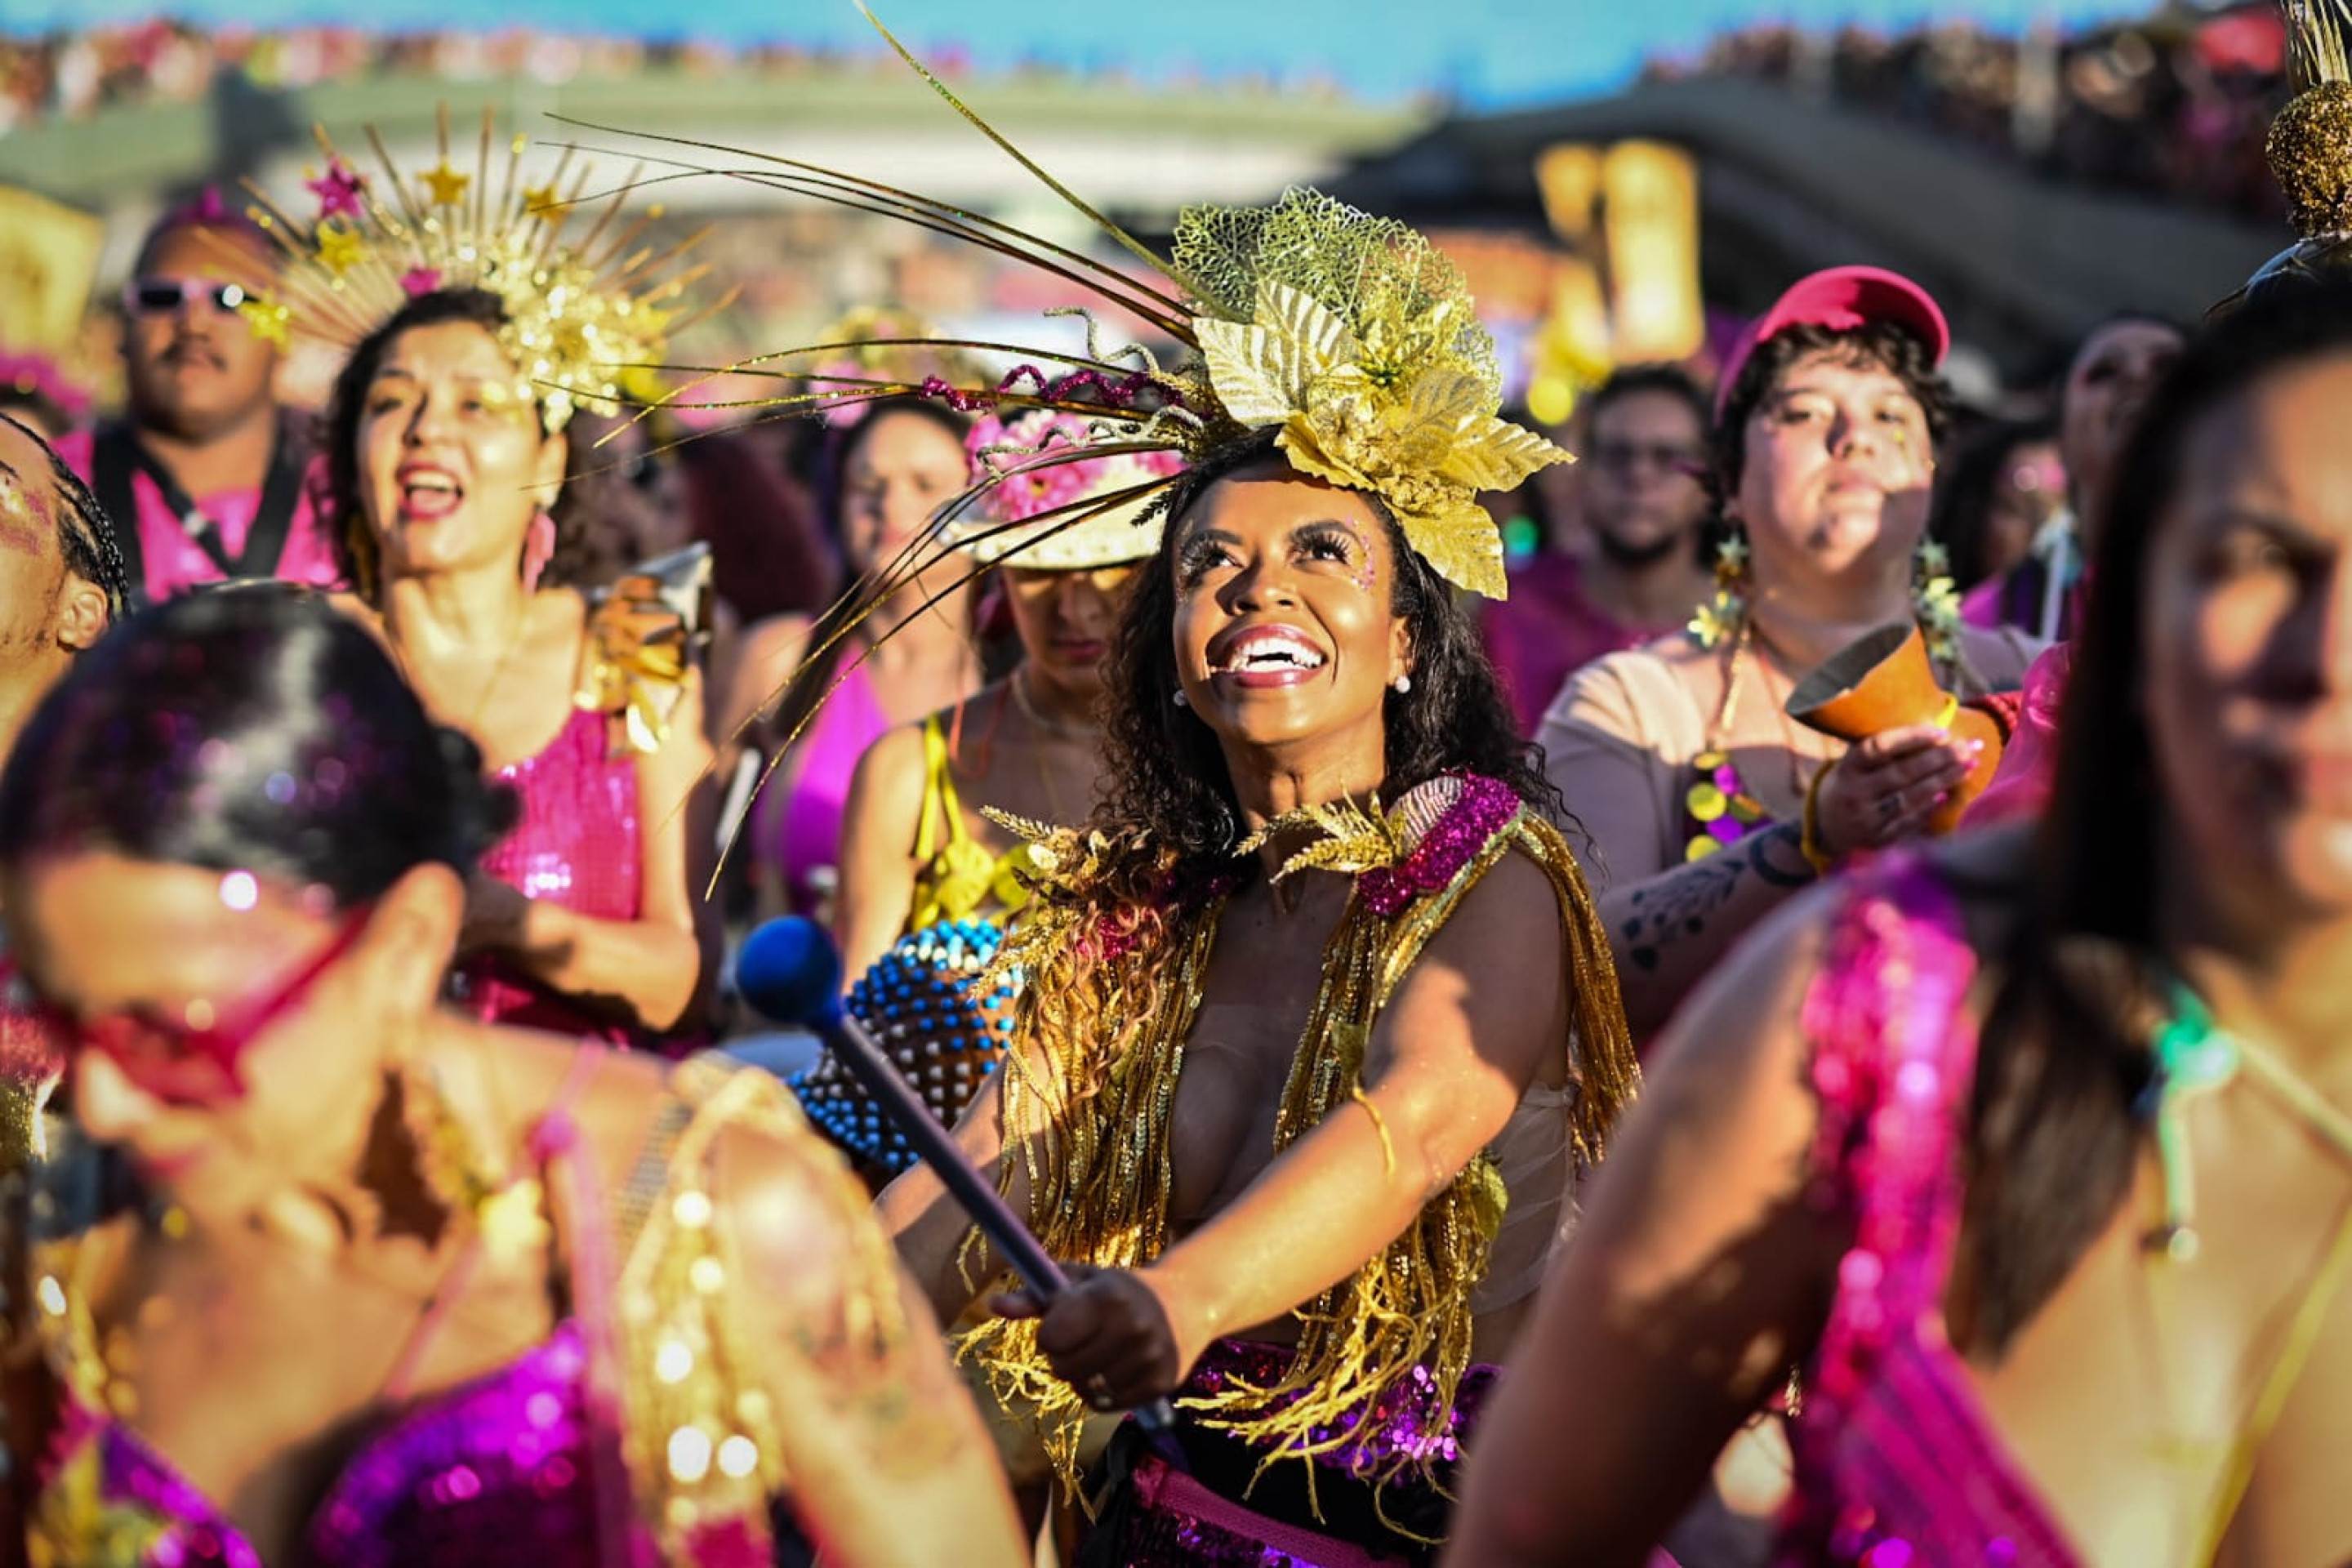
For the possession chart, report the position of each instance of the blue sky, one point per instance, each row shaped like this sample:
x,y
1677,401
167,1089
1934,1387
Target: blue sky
x,y
1491,51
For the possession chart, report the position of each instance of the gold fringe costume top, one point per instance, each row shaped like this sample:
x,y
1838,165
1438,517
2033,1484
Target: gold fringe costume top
x,y
1115,982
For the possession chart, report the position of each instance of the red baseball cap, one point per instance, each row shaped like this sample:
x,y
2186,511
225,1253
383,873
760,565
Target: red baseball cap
x,y
1841,298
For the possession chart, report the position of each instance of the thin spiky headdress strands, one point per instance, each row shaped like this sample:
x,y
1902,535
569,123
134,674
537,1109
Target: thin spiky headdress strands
x,y
1351,335
583,312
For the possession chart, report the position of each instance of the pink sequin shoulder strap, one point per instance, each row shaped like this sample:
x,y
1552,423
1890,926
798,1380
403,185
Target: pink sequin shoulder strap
x,y
1892,1060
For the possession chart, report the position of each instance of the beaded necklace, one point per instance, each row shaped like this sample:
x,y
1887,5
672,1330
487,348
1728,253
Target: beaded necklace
x,y
1718,811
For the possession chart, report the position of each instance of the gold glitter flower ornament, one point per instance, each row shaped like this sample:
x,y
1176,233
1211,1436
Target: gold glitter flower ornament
x,y
1357,338
1350,336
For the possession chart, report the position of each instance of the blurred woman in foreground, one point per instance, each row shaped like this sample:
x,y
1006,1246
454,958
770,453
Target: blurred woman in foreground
x,y
371,1282
2077,1296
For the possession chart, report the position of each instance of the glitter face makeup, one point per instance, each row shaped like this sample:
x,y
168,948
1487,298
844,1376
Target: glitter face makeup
x,y
1367,576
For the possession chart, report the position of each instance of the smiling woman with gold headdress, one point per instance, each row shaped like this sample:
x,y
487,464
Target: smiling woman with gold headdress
x,y
1317,1029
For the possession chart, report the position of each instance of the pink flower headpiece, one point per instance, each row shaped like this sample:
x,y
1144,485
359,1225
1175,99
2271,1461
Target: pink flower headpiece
x,y
1022,461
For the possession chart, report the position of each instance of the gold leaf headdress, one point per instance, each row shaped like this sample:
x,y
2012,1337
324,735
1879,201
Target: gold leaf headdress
x,y
581,312
1350,336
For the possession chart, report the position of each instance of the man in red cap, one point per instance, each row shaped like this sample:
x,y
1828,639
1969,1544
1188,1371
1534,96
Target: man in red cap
x,y
205,474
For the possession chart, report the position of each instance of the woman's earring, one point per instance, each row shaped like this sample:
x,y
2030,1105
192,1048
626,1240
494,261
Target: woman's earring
x,y
538,549
1719,619
1401,685
1182,700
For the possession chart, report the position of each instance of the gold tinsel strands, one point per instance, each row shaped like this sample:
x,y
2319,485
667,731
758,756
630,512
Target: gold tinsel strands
x,y
1089,1089
2310,144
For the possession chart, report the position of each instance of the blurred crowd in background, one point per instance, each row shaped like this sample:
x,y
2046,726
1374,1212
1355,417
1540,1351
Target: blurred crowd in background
x,y
2174,106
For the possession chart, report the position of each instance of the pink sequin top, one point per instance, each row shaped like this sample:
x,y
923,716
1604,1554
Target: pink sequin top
x,y
494,1472
523,1464
1896,1464
799,825
577,845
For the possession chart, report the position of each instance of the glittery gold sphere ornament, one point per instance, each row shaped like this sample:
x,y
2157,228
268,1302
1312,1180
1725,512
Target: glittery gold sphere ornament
x,y
2310,154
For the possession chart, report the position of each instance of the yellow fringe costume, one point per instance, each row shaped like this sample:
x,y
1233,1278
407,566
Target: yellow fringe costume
x,y
1090,1084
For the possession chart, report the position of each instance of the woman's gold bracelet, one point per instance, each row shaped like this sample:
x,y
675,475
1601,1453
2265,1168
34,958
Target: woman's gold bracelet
x,y
1809,840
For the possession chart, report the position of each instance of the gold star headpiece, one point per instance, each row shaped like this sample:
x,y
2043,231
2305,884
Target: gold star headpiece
x,y
583,315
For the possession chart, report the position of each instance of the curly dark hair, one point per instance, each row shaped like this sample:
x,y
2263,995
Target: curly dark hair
x,y
1962,509
1168,775
1881,343
576,501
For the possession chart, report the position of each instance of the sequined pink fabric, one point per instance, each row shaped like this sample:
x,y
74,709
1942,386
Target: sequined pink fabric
x,y
2029,763
1895,1466
27,1053
495,1472
1395,1428
577,845
1484,808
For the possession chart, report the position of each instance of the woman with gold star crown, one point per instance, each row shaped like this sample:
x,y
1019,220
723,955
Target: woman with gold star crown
x,y
1318,1028
462,486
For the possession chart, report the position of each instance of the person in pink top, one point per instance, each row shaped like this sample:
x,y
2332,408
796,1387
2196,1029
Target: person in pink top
x,y
207,473
2019,1170
1642,493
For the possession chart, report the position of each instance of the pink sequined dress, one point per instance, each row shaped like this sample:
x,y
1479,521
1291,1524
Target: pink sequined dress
x,y
1896,1466
578,844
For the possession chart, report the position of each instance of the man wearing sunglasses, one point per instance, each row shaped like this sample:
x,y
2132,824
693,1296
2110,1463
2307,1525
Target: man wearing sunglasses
x,y
205,471
1639,494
